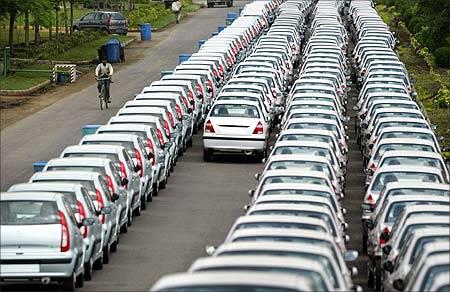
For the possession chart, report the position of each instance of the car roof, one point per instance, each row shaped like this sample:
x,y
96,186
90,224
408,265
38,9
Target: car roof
x,y
63,174
86,161
33,196
42,186
418,185
93,148
274,246
409,153
240,102
408,168
296,186
125,127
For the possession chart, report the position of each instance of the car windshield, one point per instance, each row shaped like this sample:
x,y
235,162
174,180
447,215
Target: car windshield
x,y
401,147
403,134
412,160
306,165
251,90
422,241
396,209
117,16
301,213
317,126
235,111
286,225
306,150
295,179
411,228
315,115
314,106
432,273
388,177
419,191
28,212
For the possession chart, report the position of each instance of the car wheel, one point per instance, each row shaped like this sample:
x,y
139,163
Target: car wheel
x,y
364,243
163,184
144,203
68,284
106,252
124,228
98,264
370,279
130,218
207,155
75,29
88,269
114,246
104,31
79,281
137,212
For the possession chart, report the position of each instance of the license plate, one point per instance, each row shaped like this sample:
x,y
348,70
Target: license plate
x,y
7,269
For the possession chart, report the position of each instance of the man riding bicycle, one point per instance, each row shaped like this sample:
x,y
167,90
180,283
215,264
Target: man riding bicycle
x,y
103,74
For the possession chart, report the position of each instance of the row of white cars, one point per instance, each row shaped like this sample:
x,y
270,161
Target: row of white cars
x,y
406,208
292,237
63,223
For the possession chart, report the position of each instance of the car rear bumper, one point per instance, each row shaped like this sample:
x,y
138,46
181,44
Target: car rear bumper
x,y
234,144
62,267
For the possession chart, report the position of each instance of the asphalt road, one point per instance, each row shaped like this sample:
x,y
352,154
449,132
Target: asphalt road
x,y
201,200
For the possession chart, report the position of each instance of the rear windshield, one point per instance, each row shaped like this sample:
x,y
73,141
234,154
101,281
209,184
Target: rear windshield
x,y
235,110
128,145
98,169
113,157
117,16
28,213
88,184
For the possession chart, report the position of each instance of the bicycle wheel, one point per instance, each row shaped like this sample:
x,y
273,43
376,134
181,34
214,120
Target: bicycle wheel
x,y
106,102
102,97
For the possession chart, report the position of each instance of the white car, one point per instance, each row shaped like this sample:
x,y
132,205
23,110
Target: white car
x,y
236,126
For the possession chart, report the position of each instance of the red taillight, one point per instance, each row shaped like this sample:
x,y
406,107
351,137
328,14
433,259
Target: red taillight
x,y
370,200
110,184
151,150
221,69
82,213
373,167
211,86
215,73
139,160
160,136
191,95
65,236
186,102
199,88
384,236
179,112
166,128
209,127
123,171
101,204
259,129
172,122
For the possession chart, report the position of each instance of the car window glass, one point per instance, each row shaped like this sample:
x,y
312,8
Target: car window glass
x,y
113,157
88,200
89,16
28,212
70,211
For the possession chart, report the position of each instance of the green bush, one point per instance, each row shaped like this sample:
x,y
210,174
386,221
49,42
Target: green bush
x,y
148,13
442,57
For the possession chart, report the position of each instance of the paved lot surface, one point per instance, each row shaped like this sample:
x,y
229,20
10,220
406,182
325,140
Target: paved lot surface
x,y
201,200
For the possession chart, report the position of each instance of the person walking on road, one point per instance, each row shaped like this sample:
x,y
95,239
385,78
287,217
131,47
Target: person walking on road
x,y
103,74
176,8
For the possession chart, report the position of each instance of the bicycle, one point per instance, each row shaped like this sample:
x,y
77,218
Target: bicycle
x,y
102,95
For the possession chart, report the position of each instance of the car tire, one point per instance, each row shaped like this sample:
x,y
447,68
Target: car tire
x,y
68,284
163,184
104,31
124,228
144,203
377,267
230,4
130,218
98,264
88,269
207,155
75,29
137,212
79,281
370,279
106,252
114,246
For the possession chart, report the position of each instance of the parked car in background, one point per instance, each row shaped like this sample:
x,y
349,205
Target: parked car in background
x,y
104,21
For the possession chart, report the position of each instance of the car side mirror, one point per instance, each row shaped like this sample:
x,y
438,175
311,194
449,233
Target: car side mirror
x,y
115,197
388,266
387,249
192,102
369,224
88,222
124,182
106,210
257,176
351,255
98,212
251,193
150,156
354,271
399,285
346,238
137,168
246,207
210,249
